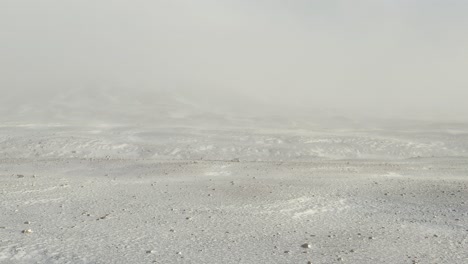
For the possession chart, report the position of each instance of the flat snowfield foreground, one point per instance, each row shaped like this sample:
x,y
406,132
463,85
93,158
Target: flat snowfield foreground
x,y
86,198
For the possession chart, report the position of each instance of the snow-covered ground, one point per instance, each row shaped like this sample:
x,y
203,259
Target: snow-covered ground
x,y
236,194
110,178
247,144
236,131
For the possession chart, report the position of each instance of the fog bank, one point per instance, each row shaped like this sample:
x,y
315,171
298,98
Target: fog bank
x,y
392,59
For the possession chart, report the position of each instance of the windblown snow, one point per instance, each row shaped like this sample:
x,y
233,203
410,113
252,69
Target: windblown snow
x,y
179,187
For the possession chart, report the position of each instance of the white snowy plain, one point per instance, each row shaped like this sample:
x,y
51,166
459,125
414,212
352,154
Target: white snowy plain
x,y
173,194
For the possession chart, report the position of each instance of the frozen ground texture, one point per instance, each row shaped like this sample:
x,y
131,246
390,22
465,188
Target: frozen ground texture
x,y
176,182
173,194
32,141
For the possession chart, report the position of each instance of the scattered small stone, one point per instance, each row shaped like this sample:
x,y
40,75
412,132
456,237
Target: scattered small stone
x,y
286,252
149,252
27,231
188,218
102,217
371,238
306,245
340,259
179,253
309,262
27,223
20,175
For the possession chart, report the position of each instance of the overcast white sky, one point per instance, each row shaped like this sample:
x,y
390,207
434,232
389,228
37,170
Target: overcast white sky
x,y
380,56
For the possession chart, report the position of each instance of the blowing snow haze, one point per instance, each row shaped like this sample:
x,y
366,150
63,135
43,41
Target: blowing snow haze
x,y
116,61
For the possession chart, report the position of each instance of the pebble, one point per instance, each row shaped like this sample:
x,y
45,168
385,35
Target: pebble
x,y
103,217
306,245
27,223
27,231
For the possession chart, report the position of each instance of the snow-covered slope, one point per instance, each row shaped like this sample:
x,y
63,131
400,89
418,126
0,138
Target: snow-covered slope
x,y
127,211
196,143
162,178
